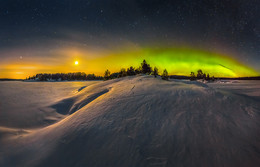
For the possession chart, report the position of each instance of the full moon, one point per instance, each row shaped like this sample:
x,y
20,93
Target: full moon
x,y
76,62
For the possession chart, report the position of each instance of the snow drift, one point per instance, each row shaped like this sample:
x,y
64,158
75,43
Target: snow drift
x,y
143,121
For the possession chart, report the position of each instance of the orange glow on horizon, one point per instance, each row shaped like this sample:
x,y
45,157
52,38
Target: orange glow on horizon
x,y
97,61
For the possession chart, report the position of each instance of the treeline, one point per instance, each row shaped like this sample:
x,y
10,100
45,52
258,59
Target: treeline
x,y
65,77
144,68
201,75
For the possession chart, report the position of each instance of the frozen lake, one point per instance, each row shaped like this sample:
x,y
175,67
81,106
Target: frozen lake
x,y
25,100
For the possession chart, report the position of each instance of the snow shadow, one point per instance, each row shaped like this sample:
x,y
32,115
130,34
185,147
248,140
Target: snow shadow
x,y
80,89
71,105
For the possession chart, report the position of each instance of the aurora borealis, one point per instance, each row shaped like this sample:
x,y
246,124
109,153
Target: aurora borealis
x,y
180,61
219,37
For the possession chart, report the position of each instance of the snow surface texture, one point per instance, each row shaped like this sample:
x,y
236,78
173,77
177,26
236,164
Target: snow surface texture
x,y
144,121
27,104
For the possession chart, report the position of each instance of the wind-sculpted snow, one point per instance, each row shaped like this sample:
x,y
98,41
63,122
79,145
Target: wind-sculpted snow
x,y
72,104
144,121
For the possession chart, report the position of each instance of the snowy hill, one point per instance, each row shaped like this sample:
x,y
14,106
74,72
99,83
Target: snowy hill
x,y
143,121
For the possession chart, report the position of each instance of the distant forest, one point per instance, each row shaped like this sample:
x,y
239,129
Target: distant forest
x,y
81,76
144,68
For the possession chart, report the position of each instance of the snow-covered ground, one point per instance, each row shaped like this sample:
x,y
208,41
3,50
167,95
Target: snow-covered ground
x,y
131,121
27,104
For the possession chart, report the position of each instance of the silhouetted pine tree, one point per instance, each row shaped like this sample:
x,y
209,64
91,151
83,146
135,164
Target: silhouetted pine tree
x,y
207,78
192,76
107,75
131,71
155,72
165,75
204,76
122,73
200,74
146,69
138,70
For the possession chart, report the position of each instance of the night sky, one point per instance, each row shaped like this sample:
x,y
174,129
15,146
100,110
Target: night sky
x,y
49,35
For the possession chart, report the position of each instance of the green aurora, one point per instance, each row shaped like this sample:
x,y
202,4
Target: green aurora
x,y
179,61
